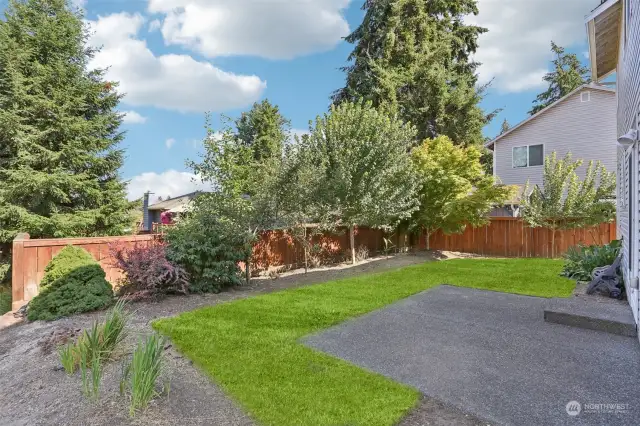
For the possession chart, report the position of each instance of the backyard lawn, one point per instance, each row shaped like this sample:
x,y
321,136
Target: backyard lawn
x,y
250,347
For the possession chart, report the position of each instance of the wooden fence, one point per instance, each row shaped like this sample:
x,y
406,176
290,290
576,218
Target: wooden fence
x,y
511,237
30,257
505,237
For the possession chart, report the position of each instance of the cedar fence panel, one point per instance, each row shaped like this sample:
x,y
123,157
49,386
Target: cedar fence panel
x,y
30,257
511,237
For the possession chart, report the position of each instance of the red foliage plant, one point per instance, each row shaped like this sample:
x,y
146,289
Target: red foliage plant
x,y
148,271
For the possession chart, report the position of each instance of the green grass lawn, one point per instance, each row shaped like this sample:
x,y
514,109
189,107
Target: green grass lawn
x,y
250,347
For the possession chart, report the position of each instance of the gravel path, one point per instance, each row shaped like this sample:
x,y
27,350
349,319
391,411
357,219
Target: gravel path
x,y
36,392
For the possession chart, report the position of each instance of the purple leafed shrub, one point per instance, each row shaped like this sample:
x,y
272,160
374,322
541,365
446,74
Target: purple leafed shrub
x,y
148,271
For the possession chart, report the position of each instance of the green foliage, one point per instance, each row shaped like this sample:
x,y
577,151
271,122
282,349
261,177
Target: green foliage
x,y
211,241
580,261
97,344
67,355
5,300
82,287
505,127
565,201
455,191
59,128
67,260
141,375
413,58
252,347
263,130
357,169
568,74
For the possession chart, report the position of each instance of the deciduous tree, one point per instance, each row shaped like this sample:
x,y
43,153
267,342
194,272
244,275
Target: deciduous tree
x,y
358,164
455,192
566,202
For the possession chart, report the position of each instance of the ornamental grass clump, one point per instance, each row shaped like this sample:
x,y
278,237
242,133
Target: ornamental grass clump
x,y
140,376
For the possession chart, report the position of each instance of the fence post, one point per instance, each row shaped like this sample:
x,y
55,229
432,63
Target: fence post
x,y
17,271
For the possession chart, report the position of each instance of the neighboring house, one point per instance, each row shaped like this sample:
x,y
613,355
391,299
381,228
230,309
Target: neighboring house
x,y
583,123
165,211
614,47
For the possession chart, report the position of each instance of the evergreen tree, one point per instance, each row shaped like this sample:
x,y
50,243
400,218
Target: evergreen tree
x,y
568,74
264,130
59,155
413,58
505,127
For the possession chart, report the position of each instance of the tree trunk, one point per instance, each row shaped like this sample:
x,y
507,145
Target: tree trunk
x,y
427,236
353,245
305,246
553,243
247,267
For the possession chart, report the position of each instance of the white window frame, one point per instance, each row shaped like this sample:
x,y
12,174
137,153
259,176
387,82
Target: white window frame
x,y
513,166
588,93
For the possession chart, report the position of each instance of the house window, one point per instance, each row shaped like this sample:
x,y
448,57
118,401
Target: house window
x,y
528,156
585,97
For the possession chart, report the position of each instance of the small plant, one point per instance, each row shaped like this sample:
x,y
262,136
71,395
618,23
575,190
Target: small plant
x,y
67,354
113,330
362,253
142,373
148,271
580,261
97,343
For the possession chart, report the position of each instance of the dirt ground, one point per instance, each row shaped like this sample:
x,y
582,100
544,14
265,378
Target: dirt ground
x,y
35,391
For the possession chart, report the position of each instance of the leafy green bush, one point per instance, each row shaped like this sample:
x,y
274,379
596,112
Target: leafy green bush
x,y
209,248
580,261
64,262
79,286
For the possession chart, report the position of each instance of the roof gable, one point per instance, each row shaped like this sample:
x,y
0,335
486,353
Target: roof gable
x,y
491,143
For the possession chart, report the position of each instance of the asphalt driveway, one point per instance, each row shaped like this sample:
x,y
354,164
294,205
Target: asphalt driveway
x,y
492,355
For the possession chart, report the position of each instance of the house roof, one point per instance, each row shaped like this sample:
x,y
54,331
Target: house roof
x,y
176,204
590,86
603,29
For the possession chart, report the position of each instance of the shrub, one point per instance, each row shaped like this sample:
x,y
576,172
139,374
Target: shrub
x,y
208,251
580,261
148,271
5,300
80,287
64,262
142,373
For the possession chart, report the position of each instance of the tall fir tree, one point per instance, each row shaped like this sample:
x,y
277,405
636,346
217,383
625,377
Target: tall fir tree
x,y
505,127
568,74
59,128
413,58
264,130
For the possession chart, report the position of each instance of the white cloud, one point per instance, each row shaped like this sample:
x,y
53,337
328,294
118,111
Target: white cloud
x,y
274,29
172,82
132,117
169,182
170,142
516,50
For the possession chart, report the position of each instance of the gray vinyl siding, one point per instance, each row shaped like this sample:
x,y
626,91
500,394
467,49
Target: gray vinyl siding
x,y
628,82
586,129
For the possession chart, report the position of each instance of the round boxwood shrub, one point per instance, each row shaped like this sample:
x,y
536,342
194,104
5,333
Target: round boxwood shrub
x,y
75,283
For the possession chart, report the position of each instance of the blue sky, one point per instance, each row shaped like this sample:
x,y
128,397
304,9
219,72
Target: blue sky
x,y
179,58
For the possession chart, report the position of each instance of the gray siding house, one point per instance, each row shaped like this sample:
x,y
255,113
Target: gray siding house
x,y
583,123
613,29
